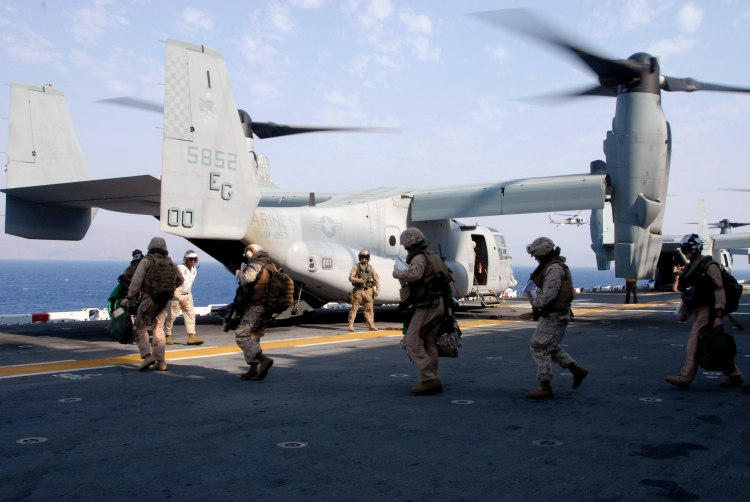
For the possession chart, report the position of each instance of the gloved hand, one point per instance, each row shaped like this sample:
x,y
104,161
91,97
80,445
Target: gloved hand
x,y
536,313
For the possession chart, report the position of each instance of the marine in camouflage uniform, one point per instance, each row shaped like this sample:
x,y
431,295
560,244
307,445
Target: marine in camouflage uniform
x,y
366,284
252,327
551,307
150,313
426,297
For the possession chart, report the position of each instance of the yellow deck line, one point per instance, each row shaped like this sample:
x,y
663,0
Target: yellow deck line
x,y
55,367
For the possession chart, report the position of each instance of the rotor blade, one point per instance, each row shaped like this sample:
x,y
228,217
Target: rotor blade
x,y
736,189
558,98
672,84
260,129
610,71
272,130
137,103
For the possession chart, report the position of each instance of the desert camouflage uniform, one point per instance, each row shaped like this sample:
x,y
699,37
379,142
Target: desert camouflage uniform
x,y
545,342
253,324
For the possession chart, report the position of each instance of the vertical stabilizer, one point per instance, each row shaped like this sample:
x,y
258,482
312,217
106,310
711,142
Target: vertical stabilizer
x,y
208,187
43,149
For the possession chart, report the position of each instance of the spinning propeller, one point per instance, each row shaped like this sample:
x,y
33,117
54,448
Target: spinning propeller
x,y
724,224
640,72
262,130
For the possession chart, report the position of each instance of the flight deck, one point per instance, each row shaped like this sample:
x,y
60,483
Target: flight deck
x,y
335,419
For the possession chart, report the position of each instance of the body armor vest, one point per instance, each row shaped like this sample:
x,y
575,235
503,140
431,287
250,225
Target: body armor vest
x,y
565,297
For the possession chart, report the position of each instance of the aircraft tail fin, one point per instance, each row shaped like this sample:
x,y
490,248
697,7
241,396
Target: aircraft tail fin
x,y
43,149
209,188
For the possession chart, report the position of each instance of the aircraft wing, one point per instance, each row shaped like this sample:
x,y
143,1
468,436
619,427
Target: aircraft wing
x,y
530,195
133,194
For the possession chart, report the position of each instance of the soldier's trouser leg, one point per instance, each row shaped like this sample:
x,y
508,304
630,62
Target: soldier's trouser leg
x,y
357,300
369,308
158,341
144,318
420,341
173,310
251,329
141,340
188,314
545,345
353,313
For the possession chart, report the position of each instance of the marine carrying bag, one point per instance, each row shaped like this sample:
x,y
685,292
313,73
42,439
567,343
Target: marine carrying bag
x,y
121,326
716,349
449,338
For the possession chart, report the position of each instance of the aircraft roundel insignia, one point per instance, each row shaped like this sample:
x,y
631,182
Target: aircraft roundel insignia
x,y
328,226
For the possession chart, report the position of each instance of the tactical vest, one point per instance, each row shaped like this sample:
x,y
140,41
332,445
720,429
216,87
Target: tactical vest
x,y
435,279
565,296
366,274
696,285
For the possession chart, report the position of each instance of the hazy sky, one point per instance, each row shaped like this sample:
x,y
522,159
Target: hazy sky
x,y
453,85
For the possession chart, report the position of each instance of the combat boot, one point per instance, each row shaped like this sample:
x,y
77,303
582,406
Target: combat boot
x,y
148,361
433,386
543,392
168,340
265,365
372,328
194,340
161,366
678,381
579,373
351,327
252,373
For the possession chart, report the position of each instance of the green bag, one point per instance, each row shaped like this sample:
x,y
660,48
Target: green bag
x,y
716,349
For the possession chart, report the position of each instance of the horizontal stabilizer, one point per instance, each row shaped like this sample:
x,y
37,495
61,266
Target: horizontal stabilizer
x,y
35,221
532,195
133,194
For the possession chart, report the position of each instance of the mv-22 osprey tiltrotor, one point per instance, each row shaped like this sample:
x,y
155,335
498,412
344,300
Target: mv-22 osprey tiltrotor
x,y
216,191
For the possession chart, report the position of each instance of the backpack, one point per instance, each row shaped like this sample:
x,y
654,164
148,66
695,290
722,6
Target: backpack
x,y
733,291
279,291
162,278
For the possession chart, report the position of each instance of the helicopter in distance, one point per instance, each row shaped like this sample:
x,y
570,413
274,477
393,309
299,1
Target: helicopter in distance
x,y
570,219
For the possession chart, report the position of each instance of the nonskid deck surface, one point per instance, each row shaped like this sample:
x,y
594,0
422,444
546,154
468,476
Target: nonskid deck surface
x,y
335,419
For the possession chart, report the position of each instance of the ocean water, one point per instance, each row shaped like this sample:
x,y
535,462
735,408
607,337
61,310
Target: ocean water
x,y
43,286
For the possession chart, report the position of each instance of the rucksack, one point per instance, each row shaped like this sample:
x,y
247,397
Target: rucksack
x,y
443,275
279,291
162,278
733,291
